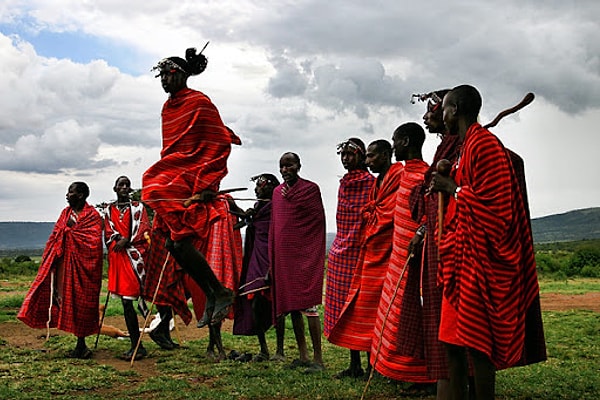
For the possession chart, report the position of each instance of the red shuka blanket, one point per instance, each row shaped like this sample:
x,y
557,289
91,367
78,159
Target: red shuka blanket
x,y
486,254
126,271
354,328
73,255
425,205
397,348
297,247
223,254
196,146
353,194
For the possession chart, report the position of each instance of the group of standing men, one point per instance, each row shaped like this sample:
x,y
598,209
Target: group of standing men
x,y
433,276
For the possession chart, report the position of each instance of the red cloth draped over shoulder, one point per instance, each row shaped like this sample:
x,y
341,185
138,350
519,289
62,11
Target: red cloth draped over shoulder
x,y
126,268
297,246
397,349
354,328
487,259
78,250
353,194
196,146
426,205
223,254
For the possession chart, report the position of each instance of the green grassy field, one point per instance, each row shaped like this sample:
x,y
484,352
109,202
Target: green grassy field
x,y
571,372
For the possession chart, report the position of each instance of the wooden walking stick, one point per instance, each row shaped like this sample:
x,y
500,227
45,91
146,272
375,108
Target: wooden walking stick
x,y
50,307
102,319
147,319
524,103
410,256
443,166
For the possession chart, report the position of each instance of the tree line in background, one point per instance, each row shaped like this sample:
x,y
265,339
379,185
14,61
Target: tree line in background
x,y
560,260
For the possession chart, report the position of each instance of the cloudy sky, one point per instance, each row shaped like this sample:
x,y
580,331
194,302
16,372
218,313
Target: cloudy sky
x,y
79,101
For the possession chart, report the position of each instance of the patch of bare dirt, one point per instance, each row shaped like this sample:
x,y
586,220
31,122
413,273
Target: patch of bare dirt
x,y
19,335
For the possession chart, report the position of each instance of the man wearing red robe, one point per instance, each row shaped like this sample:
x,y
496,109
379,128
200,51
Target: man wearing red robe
x,y
70,276
297,256
487,264
424,208
181,187
354,328
397,350
126,235
353,194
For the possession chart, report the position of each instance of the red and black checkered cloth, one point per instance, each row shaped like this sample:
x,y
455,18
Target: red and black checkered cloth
x,y
353,195
77,250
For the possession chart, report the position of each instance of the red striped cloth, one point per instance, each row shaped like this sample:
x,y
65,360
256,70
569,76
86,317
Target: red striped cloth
x,y
487,259
397,348
126,268
354,328
196,146
353,194
426,206
172,289
297,247
223,254
74,255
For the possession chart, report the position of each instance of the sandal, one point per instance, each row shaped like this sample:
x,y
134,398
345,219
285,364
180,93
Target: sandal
x,y
297,363
314,367
260,357
82,354
222,306
141,353
162,340
349,373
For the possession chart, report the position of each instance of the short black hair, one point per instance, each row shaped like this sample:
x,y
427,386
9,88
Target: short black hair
x,y
467,100
294,155
121,177
82,188
382,146
415,133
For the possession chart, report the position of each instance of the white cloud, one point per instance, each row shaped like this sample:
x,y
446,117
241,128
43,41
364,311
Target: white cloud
x,y
293,76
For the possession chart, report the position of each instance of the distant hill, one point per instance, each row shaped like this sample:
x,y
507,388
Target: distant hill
x,y
581,224
570,226
24,235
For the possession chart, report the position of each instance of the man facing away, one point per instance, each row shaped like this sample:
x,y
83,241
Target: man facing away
x,y
490,286
353,195
70,276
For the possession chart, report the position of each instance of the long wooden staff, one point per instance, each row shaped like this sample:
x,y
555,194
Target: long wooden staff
x,y
102,319
529,97
50,307
147,319
410,256
524,103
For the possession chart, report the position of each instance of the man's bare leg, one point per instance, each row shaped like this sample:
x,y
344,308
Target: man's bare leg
x,y
298,325
459,371
314,327
443,390
485,375
280,333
